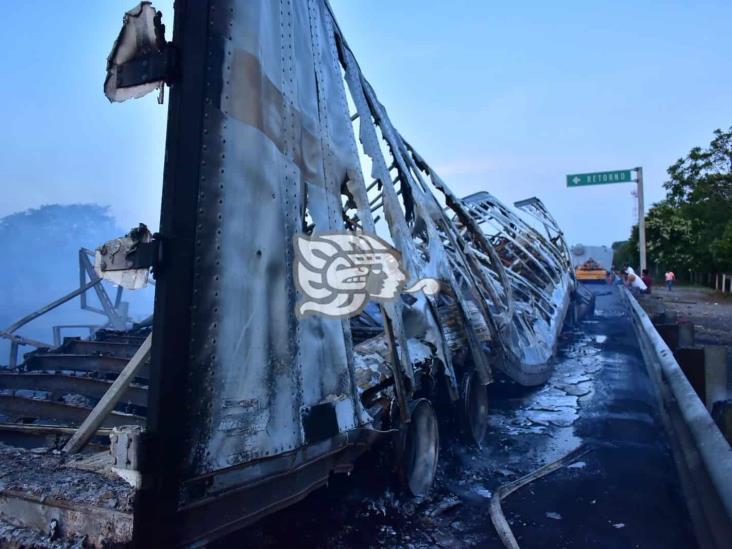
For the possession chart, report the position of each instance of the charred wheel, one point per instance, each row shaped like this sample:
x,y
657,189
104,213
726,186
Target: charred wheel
x,y
474,408
418,448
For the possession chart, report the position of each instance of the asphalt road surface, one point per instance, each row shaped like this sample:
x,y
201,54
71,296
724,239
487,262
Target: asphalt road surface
x,y
623,493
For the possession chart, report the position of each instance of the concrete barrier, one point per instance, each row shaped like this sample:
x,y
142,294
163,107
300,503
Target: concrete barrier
x,y
702,454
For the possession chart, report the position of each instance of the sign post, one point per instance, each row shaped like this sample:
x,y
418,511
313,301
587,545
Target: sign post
x,y
641,219
618,176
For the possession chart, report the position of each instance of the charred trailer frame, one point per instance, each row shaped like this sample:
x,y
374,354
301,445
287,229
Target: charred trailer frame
x,y
273,132
250,406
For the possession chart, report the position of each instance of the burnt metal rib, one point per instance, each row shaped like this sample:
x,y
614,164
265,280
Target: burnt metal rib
x,y
35,409
58,385
86,363
92,347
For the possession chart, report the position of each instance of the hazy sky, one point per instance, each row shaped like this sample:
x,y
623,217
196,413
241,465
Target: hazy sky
x,y
502,97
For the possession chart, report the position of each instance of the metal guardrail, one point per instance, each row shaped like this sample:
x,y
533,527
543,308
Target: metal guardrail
x,y
117,317
702,454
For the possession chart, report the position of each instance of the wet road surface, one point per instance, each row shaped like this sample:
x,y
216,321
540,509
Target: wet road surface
x,y
623,493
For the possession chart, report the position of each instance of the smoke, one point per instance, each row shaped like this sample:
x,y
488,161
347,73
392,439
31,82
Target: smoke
x,y
40,250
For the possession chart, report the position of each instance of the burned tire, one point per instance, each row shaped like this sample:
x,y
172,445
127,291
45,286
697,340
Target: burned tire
x,y
474,409
419,448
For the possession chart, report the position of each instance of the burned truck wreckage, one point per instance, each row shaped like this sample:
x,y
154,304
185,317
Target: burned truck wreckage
x,y
227,404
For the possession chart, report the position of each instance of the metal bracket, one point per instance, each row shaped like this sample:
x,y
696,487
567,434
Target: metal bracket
x,y
145,255
156,66
137,250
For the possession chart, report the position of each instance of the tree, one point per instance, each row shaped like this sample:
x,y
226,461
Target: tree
x,y
705,175
691,229
721,249
625,252
670,237
700,189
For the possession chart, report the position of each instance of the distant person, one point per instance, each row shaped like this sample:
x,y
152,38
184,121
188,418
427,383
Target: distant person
x,y
626,273
669,277
647,280
636,285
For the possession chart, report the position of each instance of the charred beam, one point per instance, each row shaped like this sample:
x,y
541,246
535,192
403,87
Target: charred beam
x,y
22,408
60,384
83,363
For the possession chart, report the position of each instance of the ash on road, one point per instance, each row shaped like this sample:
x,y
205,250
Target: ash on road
x,y
624,493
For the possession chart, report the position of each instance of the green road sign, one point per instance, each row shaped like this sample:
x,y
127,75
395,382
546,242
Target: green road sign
x,y
599,178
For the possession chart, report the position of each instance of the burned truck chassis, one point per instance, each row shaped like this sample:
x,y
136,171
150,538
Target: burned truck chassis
x,y
245,417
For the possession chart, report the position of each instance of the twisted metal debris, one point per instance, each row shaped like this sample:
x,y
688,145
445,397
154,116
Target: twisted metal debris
x,y
274,132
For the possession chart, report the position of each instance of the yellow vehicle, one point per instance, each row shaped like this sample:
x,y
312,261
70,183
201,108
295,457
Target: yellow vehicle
x,y
590,270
